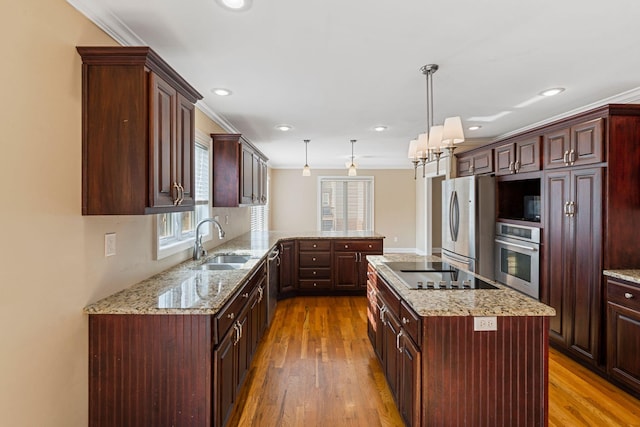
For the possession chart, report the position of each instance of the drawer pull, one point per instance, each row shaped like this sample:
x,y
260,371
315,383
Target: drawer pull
x,y
346,246
370,246
315,246
245,295
313,259
627,295
231,316
405,321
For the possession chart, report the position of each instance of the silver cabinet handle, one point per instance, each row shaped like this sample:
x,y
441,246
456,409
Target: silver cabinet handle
x,y
512,168
177,198
517,165
260,293
382,311
572,208
236,340
572,156
628,295
565,158
471,169
181,193
566,208
398,340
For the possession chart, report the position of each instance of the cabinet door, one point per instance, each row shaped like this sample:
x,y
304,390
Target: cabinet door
x,y
288,278
527,155
556,147
586,267
505,156
243,347
247,195
623,346
465,166
391,352
185,150
163,179
347,270
482,162
586,143
225,378
410,383
556,234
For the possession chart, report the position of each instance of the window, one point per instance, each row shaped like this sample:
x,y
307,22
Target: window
x,y
260,215
176,231
346,204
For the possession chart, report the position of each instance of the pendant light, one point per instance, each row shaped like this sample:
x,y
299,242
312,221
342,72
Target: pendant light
x,y
352,167
306,171
428,147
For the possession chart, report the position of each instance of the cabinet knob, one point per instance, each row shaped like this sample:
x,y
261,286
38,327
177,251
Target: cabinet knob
x,y
405,321
370,246
346,246
628,295
314,273
313,258
231,316
315,284
246,295
315,246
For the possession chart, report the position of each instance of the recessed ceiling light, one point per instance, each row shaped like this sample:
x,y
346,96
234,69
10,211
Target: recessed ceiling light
x,y
474,127
552,92
221,91
236,5
284,128
380,128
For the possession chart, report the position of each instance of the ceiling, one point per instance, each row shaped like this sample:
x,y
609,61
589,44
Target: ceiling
x,y
336,69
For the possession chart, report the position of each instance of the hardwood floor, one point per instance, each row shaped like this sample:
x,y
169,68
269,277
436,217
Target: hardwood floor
x,y
315,367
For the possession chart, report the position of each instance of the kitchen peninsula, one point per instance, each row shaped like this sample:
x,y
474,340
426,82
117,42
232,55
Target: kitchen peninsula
x,y
459,357
175,349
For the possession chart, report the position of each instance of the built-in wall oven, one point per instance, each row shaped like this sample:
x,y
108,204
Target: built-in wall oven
x,y
517,257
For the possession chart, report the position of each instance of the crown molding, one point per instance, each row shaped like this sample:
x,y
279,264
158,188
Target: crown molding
x,y
629,97
108,22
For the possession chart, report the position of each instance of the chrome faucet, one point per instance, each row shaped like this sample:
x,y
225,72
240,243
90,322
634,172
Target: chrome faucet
x,y
198,250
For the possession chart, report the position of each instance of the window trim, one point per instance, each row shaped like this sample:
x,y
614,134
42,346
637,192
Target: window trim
x,y
369,178
182,245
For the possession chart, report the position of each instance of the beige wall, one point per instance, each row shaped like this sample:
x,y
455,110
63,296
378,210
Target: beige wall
x,y
52,257
293,203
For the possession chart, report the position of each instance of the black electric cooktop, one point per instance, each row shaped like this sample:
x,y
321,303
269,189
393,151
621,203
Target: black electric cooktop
x,y
436,276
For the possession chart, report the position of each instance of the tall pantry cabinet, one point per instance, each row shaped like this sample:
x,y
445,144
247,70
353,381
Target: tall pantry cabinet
x,y
591,201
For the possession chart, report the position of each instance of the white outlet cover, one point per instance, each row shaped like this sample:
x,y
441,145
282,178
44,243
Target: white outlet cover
x,y
109,244
485,323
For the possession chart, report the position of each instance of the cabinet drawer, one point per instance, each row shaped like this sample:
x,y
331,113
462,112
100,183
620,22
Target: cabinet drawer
x,y
314,245
230,312
368,245
411,322
623,294
315,259
315,284
389,297
314,273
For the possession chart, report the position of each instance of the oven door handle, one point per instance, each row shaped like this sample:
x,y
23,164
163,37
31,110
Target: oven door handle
x,y
529,248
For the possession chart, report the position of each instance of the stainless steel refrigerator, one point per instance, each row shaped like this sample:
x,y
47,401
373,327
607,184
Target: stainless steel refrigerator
x,y
468,223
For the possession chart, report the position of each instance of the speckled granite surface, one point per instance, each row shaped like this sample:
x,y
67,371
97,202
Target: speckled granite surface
x,y
628,275
184,290
479,302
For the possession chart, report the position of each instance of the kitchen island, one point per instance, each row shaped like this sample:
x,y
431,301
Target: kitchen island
x,y
476,357
175,349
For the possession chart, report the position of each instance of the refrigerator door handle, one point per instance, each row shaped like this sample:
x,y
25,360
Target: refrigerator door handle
x,y
454,216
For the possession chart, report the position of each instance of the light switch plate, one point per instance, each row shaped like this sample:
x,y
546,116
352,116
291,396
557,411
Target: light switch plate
x,y
109,244
485,323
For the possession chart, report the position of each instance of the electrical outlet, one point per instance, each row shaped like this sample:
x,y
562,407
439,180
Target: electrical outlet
x,y
395,239
109,244
485,323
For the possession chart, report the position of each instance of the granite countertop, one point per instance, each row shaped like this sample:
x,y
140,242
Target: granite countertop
x,y
184,289
503,301
632,276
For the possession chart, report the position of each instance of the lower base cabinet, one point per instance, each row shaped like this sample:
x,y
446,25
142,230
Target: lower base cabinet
x,y
174,370
623,333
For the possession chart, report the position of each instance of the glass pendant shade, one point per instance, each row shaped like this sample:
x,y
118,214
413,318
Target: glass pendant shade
x,y
306,171
352,170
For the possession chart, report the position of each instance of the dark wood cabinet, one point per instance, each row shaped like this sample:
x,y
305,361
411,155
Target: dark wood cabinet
x,y
573,260
314,265
350,263
581,144
518,156
239,172
288,277
138,133
409,381
475,162
623,332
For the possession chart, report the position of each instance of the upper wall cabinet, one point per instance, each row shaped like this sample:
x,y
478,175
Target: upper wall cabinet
x,y
239,172
518,157
476,162
137,133
580,144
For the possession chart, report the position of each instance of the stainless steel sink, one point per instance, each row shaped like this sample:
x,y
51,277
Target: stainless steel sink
x,y
214,266
224,262
229,259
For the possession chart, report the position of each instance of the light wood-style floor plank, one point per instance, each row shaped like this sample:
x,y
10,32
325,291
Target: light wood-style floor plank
x,y
315,367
